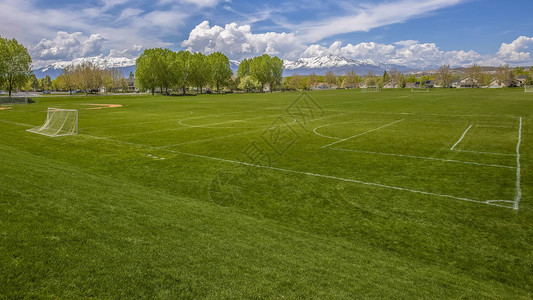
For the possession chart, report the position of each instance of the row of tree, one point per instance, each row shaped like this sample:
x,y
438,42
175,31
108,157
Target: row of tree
x,y
167,70
444,76
90,79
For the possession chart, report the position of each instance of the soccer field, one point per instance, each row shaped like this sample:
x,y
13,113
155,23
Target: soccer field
x,y
327,194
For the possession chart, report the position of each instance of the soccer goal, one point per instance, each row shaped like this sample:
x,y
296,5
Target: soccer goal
x,y
371,89
528,88
420,90
59,122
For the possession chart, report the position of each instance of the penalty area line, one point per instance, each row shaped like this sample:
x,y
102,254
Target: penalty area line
x,y
360,134
303,173
518,193
461,138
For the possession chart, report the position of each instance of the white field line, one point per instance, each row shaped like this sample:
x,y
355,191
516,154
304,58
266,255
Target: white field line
x,y
326,136
481,152
420,114
222,137
16,123
360,134
305,173
424,157
327,125
199,117
461,138
185,126
518,194
242,133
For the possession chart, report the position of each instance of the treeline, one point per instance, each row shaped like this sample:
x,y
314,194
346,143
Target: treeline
x,y
167,71
443,77
85,77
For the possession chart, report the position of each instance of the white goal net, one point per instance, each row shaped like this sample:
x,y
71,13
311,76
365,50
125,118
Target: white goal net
x,y
419,90
371,89
59,122
528,88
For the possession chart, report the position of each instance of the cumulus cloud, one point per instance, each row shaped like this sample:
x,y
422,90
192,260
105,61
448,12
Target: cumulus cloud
x,y
514,52
68,45
406,53
239,42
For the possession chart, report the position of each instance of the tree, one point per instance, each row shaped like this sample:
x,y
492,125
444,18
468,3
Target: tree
x,y
68,78
46,83
221,69
444,76
248,84
244,68
330,78
15,64
294,82
146,70
475,75
181,69
276,72
351,80
370,79
266,70
311,79
385,77
199,71
34,82
396,78
504,75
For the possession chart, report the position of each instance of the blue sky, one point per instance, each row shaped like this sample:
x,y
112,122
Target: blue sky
x,y
406,32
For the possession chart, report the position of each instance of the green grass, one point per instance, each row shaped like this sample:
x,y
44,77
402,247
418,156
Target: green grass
x,y
391,212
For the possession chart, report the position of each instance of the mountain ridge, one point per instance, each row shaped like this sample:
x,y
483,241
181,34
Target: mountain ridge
x,y
303,66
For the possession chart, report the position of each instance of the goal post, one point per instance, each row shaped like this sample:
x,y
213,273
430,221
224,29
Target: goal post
x,y
59,122
528,88
371,89
419,90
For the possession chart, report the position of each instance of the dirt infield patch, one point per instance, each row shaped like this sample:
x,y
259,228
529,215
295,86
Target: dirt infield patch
x,y
101,106
4,108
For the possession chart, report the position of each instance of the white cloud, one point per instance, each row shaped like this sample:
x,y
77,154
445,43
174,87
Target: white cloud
x,y
200,3
405,53
515,51
238,41
67,46
369,16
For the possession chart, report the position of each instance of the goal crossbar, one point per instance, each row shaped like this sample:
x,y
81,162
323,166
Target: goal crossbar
x,y
59,122
419,90
371,89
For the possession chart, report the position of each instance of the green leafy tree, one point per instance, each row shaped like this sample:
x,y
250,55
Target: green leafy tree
x,y
15,65
330,79
244,68
146,77
221,69
199,71
249,84
182,61
276,72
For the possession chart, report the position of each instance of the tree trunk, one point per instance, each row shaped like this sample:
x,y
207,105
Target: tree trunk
x,y
153,91
184,90
218,88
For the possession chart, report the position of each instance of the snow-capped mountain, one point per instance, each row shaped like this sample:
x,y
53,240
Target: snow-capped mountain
x,y
303,66
339,65
124,64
